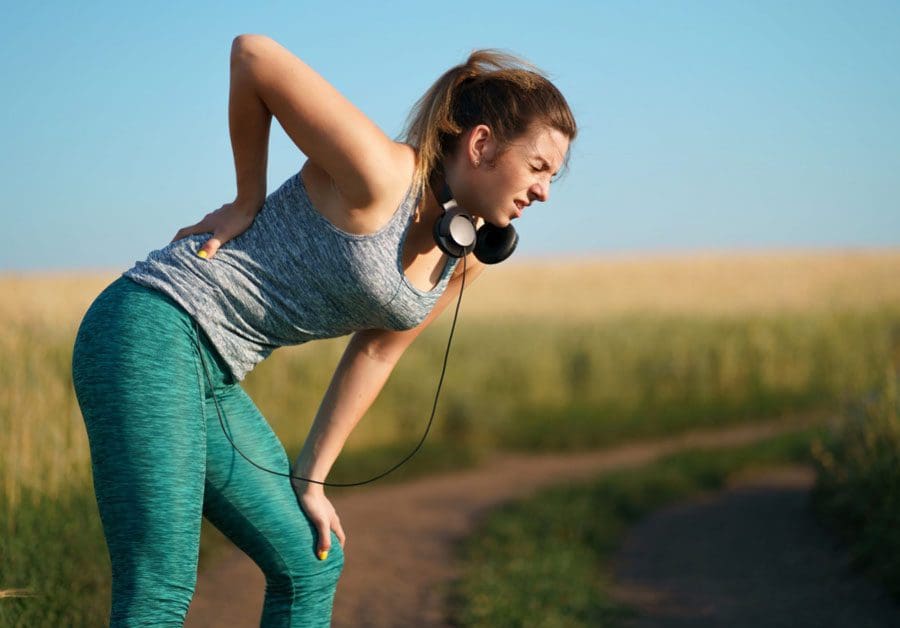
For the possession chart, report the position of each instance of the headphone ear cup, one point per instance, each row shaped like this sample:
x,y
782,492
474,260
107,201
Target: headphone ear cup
x,y
454,233
494,244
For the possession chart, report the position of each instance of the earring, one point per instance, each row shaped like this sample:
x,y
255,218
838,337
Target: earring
x,y
477,162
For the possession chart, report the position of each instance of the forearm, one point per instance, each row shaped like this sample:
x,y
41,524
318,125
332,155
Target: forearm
x,y
358,379
249,121
362,372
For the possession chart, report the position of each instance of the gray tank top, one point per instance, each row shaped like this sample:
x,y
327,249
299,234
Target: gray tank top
x,y
292,277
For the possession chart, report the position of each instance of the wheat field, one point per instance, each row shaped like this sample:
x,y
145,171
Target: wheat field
x,y
42,438
702,283
726,283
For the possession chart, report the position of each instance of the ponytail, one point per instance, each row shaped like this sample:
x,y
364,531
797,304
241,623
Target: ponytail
x,y
492,87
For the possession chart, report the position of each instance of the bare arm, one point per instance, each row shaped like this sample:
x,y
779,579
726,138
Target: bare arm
x,y
359,377
249,121
364,368
266,81
323,124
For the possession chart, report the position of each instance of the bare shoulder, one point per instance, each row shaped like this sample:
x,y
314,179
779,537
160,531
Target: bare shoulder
x,y
396,175
325,125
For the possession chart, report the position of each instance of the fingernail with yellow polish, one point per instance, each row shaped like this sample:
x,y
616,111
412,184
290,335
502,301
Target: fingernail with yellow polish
x,y
202,253
323,554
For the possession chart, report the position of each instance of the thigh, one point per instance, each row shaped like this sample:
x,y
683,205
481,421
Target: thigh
x,y
257,510
138,387
137,383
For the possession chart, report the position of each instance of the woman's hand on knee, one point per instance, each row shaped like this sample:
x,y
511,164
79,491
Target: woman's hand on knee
x,y
323,516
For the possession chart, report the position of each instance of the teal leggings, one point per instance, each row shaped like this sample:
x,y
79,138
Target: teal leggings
x,y
160,461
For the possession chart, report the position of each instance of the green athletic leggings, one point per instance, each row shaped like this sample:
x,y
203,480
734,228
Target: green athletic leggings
x,y
160,461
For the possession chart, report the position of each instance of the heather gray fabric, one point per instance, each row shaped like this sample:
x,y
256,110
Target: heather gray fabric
x,y
292,277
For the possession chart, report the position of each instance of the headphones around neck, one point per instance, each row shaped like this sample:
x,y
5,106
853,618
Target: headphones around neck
x,y
455,234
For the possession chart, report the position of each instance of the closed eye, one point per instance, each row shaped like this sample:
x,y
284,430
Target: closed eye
x,y
553,179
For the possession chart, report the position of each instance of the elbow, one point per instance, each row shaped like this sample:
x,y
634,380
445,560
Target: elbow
x,y
380,346
379,354
245,45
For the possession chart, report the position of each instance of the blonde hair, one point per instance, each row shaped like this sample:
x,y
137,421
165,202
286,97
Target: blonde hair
x,y
493,87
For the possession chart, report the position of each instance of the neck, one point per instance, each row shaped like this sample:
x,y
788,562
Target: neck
x,y
430,208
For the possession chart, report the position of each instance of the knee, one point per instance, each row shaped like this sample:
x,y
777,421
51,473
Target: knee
x,y
303,590
302,571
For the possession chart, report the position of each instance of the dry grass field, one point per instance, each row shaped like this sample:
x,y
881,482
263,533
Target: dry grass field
x,y
718,284
708,283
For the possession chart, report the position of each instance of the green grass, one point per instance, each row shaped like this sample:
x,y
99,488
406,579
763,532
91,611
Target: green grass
x,y
544,561
55,551
857,492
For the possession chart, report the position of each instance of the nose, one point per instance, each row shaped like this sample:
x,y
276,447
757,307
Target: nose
x,y
540,192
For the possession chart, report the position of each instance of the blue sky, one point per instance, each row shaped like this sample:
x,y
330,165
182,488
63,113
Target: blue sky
x,y
703,125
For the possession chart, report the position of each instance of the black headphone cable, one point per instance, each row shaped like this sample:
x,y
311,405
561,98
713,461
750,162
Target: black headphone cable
x,y
381,475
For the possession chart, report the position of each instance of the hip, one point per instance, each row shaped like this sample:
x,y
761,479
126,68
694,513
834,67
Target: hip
x,y
142,330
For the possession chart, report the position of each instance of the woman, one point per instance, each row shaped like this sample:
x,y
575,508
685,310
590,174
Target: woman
x,y
345,246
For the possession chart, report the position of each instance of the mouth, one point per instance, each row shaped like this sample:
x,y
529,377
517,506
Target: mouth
x,y
519,207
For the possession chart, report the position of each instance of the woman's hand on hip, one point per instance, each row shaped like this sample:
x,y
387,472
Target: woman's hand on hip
x,y
323,516
225,223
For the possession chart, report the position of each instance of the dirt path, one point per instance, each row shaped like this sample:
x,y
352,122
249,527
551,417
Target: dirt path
x,y
752,555
400,538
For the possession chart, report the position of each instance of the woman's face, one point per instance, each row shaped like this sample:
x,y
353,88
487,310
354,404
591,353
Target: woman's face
x,y
502,185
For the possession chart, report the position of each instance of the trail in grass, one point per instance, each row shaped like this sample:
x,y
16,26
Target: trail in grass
x,y
399,558
751,555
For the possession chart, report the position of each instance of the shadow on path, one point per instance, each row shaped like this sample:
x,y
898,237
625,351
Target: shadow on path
x,y
752,555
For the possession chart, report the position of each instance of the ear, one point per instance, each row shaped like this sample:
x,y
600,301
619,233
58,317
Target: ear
x,y
481,145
